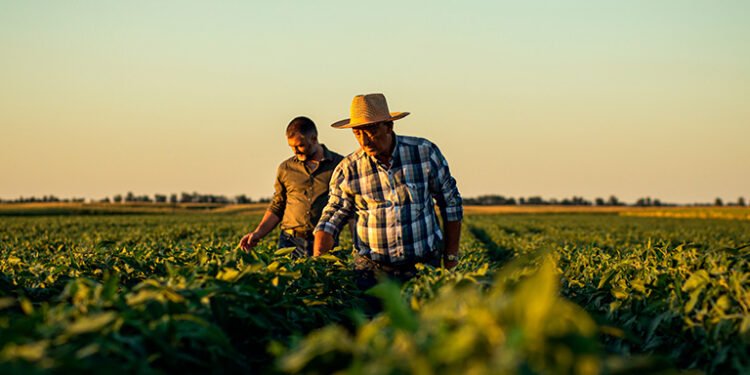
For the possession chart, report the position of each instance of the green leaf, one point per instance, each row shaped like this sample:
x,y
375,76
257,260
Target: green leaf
x,y
91,323
745,327
535,298
6,302
697,279
143,296
605,278
228,274
26,306
273,266
723,303
87,350
31,352
395,307
284,251
329,257
619,293
694,296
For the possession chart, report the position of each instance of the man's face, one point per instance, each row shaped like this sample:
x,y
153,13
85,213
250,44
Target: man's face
x,y
374,139
302,146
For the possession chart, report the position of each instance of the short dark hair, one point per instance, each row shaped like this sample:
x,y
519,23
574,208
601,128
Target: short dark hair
x,y
301,125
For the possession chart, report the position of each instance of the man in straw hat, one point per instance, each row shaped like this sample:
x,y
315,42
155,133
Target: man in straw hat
x,y
391,185
301,191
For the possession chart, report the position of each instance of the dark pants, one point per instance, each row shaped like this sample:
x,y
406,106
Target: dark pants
x,y
303,246
368,272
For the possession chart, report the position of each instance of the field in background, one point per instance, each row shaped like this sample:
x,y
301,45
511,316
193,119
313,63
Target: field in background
x,y
739,213
550,291
21,209
36,209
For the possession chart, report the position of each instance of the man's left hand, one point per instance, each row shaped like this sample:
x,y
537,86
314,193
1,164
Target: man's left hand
x,y
450,258
323,243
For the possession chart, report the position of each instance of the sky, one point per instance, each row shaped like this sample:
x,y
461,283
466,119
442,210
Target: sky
x,y
549,98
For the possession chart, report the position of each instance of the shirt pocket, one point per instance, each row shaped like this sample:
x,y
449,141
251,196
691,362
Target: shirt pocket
x,y
417,192
371,201
419,200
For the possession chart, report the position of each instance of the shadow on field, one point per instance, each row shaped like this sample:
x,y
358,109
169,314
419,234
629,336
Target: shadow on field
x,y
498,254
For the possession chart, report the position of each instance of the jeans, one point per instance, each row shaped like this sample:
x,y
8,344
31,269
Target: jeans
x,y
303,247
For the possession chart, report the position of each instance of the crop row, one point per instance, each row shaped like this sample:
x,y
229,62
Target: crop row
x,y
680,288
172,293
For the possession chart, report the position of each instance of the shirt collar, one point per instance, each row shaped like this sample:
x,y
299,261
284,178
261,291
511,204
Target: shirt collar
x,y
327,155
394,153
395,147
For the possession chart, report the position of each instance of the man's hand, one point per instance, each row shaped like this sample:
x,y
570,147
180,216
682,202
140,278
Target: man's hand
x,y
452,239
249,241
323,243
266,225
450,259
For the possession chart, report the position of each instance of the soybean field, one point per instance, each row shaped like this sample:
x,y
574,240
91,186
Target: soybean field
x,y
548,293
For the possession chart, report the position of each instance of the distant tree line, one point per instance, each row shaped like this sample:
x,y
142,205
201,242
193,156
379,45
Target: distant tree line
x,y
43,199
156,198
499,200
482,200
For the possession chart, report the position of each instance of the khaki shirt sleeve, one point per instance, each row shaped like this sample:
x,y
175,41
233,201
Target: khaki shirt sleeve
x,y
278,203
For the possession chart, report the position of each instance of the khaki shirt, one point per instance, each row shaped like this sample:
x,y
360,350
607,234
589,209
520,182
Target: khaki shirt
x,y
300,196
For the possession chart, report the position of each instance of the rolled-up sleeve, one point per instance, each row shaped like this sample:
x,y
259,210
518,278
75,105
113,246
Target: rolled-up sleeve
x,y
278,203
340,206
443,187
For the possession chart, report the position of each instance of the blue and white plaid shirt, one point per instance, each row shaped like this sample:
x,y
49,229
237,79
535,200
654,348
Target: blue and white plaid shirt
x,y
396,220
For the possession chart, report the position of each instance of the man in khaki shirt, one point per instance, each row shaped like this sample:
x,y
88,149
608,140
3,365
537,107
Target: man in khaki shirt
x,y
301,191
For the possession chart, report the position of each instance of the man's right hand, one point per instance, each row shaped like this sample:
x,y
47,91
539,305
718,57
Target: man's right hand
x,y
323,243
249,241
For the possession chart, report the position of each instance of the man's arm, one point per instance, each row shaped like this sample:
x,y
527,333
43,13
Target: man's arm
x,y
336,213
353,230
443,188
452,239
269,221
273,214
323,243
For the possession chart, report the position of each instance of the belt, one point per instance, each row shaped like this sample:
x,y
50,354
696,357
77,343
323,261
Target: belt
x,y
301,233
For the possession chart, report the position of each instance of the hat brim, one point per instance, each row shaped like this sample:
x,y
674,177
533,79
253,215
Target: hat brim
x,y
344,124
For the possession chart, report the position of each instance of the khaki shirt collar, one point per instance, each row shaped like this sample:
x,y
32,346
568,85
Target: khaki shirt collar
x,y
327,155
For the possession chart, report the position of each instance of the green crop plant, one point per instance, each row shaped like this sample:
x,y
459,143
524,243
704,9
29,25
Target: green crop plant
x,y
548,293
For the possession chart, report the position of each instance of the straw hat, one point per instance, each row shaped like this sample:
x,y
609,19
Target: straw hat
x,y
368,109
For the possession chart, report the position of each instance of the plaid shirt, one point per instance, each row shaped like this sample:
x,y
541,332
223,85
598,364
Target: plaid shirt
x,y
396,220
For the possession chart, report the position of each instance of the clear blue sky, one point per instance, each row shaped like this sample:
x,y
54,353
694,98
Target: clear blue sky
x,y
553,98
